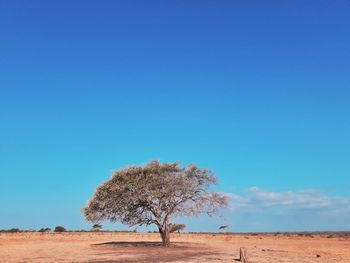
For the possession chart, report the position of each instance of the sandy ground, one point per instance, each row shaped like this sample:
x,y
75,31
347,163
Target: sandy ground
x,y
136,247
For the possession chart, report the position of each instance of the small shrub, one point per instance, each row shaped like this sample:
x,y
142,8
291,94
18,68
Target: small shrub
x,y
44,230
14,230
96,227
60,229
177,227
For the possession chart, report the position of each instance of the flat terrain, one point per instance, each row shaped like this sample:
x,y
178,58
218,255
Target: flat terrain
x,y
104,247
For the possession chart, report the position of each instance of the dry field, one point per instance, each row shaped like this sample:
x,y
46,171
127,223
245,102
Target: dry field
x,y
136,247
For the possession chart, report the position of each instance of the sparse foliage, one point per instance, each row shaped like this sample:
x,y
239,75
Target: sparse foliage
x,y
14,230
225,227
177,227
153,194
60,229
96,227
43,230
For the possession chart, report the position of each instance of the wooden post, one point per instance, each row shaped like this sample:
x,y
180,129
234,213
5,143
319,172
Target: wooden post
x,y
243,255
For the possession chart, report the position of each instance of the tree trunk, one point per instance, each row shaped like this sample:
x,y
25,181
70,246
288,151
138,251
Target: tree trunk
x,y
165,235
166,238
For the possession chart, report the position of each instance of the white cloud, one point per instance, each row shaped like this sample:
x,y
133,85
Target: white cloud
x,y
258,209
256,198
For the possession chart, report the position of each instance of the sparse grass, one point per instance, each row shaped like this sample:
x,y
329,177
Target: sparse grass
x,y
118,247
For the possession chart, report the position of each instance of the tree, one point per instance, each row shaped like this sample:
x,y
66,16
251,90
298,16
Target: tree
x,y
225,227
177,227
43,230
153,194
60,229
96,227
14,230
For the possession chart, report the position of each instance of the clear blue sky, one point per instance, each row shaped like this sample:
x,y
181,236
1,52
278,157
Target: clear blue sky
x,y
258,91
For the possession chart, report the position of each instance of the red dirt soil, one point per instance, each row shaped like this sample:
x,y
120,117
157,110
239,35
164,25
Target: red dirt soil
x,y
102,247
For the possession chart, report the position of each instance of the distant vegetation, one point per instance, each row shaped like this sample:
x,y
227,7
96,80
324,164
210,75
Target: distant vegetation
x,y
224,227
180,227
177,227
44,230
11,230
60,229
96,227
47,230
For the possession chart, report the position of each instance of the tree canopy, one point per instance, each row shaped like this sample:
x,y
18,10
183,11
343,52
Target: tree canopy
x,y
96,227
60,229
153,193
